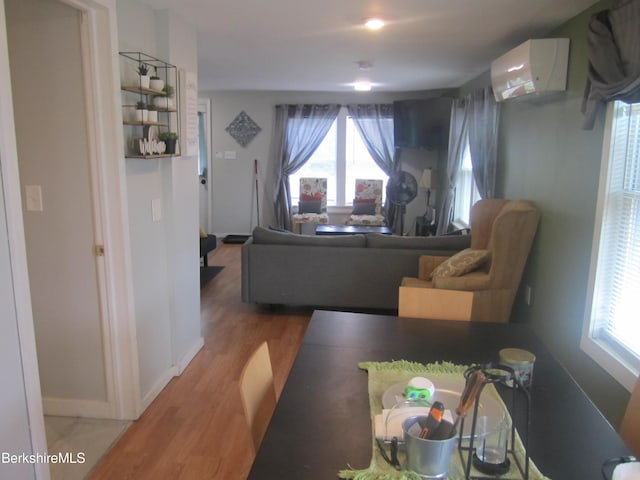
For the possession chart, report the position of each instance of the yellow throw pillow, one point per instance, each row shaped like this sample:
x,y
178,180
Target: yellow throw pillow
x,y
203,234
462,262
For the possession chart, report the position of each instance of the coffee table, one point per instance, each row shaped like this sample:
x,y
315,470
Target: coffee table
x,y
351,229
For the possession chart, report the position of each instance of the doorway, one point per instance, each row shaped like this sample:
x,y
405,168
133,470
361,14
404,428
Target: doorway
x,y
204,163
65,275
52,50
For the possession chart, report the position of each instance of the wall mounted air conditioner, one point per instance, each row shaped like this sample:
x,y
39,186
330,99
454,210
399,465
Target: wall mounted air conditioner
x,y
535,68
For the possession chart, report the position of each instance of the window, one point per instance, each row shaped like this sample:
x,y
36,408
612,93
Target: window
x,y
612,325
341,158
466,192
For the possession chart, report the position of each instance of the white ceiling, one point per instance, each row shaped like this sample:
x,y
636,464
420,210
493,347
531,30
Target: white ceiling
x,y
314,45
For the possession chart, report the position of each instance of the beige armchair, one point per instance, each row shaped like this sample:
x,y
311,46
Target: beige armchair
x,y
502,232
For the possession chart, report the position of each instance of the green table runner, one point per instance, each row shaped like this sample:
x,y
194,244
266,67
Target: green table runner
x,y
382,375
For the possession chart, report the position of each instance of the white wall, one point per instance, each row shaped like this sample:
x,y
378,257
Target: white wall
x,y
545,156
233,209
165,253
47,76
180,48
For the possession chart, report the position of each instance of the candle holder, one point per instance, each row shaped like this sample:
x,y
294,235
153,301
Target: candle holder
x,y
496,455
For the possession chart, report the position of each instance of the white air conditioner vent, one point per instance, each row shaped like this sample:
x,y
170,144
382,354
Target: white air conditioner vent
x,y
535,68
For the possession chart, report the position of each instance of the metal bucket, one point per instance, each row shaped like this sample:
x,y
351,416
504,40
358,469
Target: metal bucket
x,y
428,458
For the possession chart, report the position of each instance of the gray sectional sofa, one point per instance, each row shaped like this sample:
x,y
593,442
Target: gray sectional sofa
x,y
355,271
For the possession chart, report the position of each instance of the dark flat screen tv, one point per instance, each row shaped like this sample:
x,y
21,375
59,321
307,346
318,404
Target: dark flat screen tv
x,y
422,123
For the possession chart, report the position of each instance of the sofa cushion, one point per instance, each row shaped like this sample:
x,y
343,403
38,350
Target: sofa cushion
x,y
454,243
462,262
265,236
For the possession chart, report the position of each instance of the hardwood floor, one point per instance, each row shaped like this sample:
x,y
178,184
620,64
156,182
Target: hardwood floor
x,y
195,429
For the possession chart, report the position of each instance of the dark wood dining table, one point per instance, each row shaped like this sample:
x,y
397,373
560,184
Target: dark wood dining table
x,y
322,425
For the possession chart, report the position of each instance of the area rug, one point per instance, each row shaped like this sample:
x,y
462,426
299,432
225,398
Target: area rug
x,y
235,239
207,273
381,375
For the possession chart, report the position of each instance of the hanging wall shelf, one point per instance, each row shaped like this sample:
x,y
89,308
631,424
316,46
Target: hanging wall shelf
x,y
150,108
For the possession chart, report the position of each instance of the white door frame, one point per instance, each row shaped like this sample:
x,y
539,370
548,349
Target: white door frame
x,y
104,124
204,106
18,257
99,30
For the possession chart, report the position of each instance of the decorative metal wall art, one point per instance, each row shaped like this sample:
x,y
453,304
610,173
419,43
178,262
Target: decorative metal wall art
x,y
243,129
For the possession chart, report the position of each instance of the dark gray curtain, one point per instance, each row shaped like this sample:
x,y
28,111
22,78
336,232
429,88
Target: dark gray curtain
x,y
614,58
298,131
484,114
458,135
374,122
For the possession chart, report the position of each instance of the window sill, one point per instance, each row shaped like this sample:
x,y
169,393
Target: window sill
x,y
331,210
460,224
340,210
615,366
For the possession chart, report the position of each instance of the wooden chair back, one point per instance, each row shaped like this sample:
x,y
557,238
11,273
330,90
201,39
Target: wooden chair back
x,y
258,392
630,426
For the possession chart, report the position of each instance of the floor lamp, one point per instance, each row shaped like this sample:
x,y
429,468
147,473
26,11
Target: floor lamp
x,y
426,183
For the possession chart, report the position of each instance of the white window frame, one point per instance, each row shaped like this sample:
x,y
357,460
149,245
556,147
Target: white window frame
x,y
342,204
622,367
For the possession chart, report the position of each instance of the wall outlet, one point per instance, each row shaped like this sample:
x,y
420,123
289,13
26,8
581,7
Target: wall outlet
x,y
527,295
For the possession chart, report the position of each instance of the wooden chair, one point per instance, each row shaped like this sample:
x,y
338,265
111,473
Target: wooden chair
x,y
368,192
630,426
313,203
258,392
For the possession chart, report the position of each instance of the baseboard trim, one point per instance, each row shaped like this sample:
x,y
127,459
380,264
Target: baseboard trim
x,y
157,387
71,407
171,372
185,360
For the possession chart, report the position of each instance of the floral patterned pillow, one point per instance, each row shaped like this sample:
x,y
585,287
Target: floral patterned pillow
x,y
462,262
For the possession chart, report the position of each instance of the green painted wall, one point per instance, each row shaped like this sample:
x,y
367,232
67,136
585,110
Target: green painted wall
x,y
545,156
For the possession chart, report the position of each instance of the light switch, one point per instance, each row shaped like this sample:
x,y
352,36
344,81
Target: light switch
x,y
156,210
33,197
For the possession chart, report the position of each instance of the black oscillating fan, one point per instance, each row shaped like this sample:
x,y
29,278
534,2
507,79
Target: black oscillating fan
x,y
402,188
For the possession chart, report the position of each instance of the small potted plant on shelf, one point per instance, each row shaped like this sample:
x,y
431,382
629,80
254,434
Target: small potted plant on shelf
x,y
152,113
156,83
143,72
142,113
170,139
166,101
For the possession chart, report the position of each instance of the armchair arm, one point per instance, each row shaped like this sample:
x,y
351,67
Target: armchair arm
x,y
427,264
444,304
470,282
